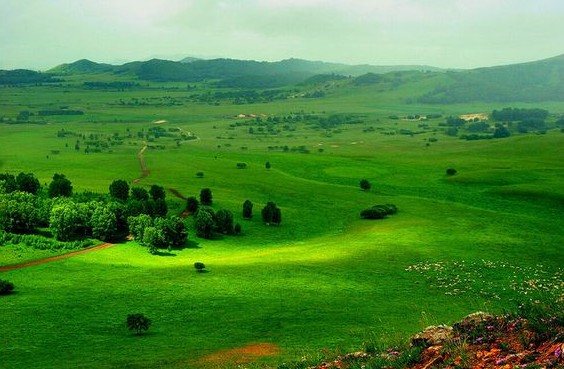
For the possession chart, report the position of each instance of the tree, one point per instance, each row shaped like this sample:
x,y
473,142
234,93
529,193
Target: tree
x,y
373,213
206,197
157,192
60,186
119,189
237,229
139,194
138,224
173,230
138,323
6,287
192,205
153,238
199,266
450,171
28,183
365,185
18,212
271,214
247,209
64,221
8,182
267,165
157,208
103,223
224,221
204,223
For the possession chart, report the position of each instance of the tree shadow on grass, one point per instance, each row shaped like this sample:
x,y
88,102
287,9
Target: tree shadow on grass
x,y
191,245
164,253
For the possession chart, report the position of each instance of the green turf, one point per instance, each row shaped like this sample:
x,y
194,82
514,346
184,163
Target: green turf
x,y
323,279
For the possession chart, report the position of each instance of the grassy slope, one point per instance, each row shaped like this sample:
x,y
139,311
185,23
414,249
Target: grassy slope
x,y
323,279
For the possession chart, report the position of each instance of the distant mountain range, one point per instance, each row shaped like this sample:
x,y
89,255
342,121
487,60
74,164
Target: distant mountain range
x,y
535,81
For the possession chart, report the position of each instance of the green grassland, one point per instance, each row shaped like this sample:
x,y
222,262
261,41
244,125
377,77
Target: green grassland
x,y
324,278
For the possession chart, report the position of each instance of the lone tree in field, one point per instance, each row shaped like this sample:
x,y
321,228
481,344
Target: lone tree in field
x,y
119,189
206,196
450,171
247,209
267,165
6,287
138,323
365,185
199,266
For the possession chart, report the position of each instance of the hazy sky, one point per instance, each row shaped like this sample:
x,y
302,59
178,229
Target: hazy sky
x,y
40,34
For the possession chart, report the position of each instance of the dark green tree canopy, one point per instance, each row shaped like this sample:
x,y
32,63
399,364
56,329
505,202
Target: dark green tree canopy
x,y
192,204
139,194
365,185
206,197
157,192
204,223
224,221
271,214
60,186
27,182
247,209
138,323
119,189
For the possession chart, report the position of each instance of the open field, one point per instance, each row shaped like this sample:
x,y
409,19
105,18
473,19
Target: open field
x,y
323,279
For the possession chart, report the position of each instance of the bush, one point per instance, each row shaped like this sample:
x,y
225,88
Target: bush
x,y
192,205
199,266
241,165
373,213
138,323
224,221
247,209
200,174
271,214
6,287
365,185
450,171
379,211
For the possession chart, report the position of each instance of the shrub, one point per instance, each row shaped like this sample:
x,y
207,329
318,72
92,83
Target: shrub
x,y
450,171
204,223
373,213
199,266
200,174
365,185
241,165
224,221
6,287
138,323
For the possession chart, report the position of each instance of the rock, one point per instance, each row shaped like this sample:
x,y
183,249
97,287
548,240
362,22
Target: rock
x,y
433,336
470,322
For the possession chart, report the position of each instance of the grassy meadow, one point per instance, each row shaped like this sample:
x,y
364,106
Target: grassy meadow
x,y
322,280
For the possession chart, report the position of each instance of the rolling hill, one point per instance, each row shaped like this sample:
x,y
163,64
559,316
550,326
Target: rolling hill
x,y
526,82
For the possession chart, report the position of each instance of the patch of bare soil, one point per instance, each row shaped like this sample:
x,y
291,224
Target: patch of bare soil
x,y
241,355
53,258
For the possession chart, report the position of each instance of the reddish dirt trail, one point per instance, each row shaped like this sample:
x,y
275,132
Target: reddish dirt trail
x,y
241,355
53,258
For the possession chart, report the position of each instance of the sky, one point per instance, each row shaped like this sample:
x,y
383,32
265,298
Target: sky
x,y
41,34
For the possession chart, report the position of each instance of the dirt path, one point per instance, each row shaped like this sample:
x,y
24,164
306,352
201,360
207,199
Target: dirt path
x,y
53,258
241,355
144,170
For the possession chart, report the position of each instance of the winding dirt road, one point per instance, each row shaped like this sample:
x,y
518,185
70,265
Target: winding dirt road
x,y
53,258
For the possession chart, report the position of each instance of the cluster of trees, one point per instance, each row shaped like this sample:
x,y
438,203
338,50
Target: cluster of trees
x,y
158,233
24,207
518,114
379,211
